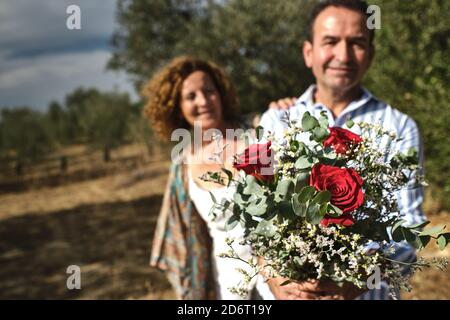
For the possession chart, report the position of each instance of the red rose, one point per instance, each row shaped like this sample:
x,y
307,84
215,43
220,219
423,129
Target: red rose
x,y
345,186
341,139
345,220
257,161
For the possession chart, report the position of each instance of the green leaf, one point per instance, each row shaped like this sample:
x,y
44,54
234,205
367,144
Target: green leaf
x,y
313,215
412,152
304,162
424,240
229,175
409,236
322,197
306,194
442,241
286,210
335,211
259,132
399,223
252,187
265,228
232,222
329,153
301,148
298,207
257,207
432,231
215,210
301,181
323,120
212,197
319,134
284,189
237,198
309,122
419,225
397,234
323,209
349,123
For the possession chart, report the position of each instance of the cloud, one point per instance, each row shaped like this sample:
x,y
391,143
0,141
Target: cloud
x,y
41,60
36,81
39,27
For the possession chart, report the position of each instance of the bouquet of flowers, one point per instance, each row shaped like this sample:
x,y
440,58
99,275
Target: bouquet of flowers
x,y
320,204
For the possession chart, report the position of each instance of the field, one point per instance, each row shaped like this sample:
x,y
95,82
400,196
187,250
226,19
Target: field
x,y
101,217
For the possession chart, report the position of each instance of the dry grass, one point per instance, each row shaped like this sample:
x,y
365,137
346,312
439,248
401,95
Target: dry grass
x,y
105,226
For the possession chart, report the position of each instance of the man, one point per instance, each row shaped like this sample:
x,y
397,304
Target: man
x,y
339,50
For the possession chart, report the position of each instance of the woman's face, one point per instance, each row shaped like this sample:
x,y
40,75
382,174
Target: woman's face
x,y
200,101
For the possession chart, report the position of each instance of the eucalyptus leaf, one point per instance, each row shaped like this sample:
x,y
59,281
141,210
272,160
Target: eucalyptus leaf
x,y
265,228
349,123
309,122
443,240
257,208
397,225
304,162
329,153
322,197
213,198
237,198
320,133
323,119
424,240
229,175
231,223
252,187
286,210
432,231
419,225
284,189
313,215
397,234
409,236
306,194
301,181
298,207
323,209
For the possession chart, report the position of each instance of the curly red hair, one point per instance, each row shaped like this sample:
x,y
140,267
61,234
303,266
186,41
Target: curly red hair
x,y
163,93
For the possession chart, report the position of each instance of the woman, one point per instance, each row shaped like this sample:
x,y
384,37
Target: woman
x,y
187,240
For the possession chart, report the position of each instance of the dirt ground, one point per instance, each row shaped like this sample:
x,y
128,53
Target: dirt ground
x,y
105,226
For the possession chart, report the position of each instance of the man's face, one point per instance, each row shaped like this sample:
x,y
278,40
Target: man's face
x,y
340,53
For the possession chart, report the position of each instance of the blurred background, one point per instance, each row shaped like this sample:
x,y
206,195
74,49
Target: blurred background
x,y
81,174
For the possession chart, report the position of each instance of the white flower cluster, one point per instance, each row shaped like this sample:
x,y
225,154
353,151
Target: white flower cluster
x,y
313,251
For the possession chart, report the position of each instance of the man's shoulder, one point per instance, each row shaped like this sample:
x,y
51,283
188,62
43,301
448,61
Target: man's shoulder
x,y
391,115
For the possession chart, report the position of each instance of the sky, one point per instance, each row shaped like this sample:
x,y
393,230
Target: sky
x,y
42,60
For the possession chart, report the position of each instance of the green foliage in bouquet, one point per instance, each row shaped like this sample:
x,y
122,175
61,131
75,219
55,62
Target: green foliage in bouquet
x,y
329,194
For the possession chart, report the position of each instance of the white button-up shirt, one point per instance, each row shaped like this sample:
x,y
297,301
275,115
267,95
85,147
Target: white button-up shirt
x,y
366,109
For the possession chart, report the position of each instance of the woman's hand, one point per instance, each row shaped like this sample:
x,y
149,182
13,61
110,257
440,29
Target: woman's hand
x,y
312,290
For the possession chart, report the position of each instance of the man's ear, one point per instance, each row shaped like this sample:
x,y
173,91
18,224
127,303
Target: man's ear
x,y
307,53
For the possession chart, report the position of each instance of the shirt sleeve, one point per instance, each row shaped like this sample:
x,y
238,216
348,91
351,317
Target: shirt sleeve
x,y
411,197
272,122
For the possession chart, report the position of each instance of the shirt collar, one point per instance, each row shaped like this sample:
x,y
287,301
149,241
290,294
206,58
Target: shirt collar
x,y
307,100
